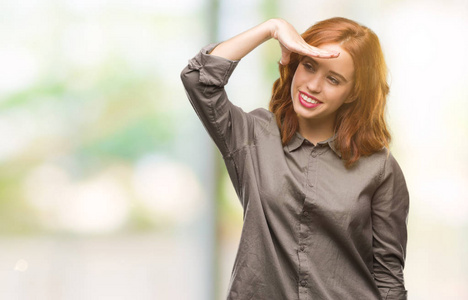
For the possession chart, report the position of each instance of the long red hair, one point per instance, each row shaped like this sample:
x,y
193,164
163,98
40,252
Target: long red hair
x,y
360,126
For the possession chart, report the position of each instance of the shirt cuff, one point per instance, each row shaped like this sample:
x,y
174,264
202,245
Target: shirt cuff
x,y
214,70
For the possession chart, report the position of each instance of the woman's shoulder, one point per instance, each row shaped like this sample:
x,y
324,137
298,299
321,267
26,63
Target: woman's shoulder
x,y
262,114
381,161
383,156
266,119
387,156
387,162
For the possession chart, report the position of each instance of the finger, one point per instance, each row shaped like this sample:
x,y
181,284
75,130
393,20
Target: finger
x,y
329,55
324,53
317,52
285,57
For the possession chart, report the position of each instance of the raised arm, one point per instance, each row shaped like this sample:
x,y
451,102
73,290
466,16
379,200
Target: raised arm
x,y
208,72
290,41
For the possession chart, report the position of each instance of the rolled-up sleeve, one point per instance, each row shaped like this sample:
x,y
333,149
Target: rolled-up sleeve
x,y
390,206
204,79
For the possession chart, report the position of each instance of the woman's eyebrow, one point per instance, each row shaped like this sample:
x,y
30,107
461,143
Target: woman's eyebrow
x,y
315,63
339,75
310,59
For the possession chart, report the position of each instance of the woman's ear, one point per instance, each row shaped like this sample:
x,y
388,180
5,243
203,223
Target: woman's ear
x,y
352,96
350,99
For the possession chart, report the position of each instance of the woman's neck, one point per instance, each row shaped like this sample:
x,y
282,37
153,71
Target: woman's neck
x,y
316,131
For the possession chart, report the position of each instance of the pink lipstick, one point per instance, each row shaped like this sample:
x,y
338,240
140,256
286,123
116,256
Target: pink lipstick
x,y
304,103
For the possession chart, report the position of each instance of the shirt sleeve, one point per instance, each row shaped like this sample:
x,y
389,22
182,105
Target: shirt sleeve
x,y
390,205
204,79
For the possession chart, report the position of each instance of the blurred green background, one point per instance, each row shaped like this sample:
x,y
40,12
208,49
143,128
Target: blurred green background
x,y
110,187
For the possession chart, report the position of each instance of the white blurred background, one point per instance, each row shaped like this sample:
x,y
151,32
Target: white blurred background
x,y
110,187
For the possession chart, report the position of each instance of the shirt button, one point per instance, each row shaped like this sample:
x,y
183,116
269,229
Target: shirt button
x,y
303,282
306,214
314,154
302,248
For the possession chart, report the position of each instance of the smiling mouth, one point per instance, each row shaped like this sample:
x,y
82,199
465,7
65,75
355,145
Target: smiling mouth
x,y
308,99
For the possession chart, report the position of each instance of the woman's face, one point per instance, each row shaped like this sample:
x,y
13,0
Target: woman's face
x,y
320,86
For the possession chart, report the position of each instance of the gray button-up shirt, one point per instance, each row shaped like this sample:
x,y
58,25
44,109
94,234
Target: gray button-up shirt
x,y
312,228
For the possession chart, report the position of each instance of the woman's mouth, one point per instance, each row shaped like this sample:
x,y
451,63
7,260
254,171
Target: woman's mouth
x,y
308,101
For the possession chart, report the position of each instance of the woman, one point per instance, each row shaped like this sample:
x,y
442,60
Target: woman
x,y
325,203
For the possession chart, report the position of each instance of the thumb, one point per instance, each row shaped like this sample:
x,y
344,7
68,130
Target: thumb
x,y
285,56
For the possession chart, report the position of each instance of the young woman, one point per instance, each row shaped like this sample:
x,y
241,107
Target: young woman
x,y
325,202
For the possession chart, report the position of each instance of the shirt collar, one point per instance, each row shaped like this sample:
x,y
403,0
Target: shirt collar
x,y
297,140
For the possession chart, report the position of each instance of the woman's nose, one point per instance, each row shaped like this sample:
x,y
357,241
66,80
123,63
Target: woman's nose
x,y
314,84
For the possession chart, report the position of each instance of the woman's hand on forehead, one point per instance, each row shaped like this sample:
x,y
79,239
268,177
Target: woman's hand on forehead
x,y
291,41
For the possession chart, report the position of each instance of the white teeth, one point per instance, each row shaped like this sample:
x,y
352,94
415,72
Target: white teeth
x,y
308,99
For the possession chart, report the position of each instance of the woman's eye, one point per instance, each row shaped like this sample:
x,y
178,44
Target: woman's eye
x,y
333,80
309,67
